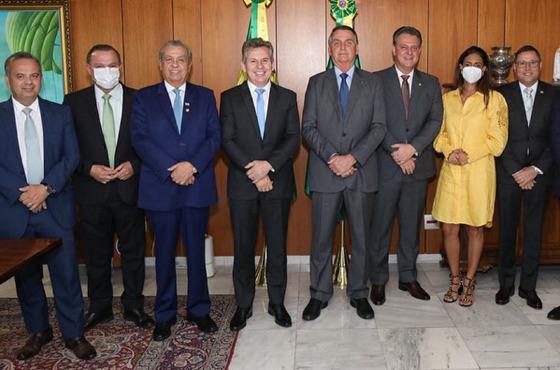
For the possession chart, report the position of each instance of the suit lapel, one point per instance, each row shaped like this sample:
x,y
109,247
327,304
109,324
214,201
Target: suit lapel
x,y
395,91
538,102
416,92
355,91
46,118
272,105
332,90
165,103
250,107
518,100
125,118
90,106
7,111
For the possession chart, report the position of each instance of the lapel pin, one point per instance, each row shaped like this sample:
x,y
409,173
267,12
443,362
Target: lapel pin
x,y
419,83
187,110
542,92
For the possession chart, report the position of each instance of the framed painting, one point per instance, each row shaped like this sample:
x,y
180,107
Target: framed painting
x,y
41,27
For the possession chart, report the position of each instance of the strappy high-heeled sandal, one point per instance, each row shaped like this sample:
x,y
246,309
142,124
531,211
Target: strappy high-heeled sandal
x,y
467,298
453,292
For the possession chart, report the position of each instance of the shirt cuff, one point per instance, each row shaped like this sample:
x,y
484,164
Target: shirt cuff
x,y
538,170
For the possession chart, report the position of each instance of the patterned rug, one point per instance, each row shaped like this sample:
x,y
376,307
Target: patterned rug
x,y
121,345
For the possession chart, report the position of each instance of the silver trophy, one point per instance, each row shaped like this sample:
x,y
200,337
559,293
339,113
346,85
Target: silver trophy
x,y
500,63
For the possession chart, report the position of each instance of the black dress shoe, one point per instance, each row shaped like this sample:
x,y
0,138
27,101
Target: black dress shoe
x,y
34,344
162,330
502,296
204,323
532,298
313,309
415,290
377,294
281,316
240,317
94,318
554,314
138,317
363,308
81,348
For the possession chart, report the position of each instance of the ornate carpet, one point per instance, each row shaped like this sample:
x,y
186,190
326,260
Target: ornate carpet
x,y
122,345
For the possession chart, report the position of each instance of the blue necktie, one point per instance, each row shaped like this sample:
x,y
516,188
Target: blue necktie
x,y
260,110
34,161
178,108
343,94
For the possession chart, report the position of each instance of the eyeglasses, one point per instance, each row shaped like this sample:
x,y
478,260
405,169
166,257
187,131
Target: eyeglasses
x,y
527,63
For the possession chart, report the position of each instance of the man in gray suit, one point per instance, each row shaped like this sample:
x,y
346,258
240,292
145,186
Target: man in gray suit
x,y
406,161
343,123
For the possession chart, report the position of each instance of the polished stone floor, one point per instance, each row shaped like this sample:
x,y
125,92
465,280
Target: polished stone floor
x,y
405,334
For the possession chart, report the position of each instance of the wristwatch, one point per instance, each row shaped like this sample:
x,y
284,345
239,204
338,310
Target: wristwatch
x,y
50,189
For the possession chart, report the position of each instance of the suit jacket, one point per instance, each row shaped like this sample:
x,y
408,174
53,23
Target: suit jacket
x,y
555,138
242,141
160,145
61,156
359,133
93,150
534,137
425,113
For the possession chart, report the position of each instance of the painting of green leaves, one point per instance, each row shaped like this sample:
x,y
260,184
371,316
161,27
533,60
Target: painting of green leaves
x,y
38,32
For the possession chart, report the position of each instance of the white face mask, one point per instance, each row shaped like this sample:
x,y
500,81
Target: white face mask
x,y
106,77
471,74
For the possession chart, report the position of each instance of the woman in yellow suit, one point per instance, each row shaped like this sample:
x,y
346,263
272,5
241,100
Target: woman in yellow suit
x,y
474,131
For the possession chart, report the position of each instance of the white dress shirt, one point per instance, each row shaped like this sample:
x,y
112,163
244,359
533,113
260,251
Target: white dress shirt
x,y
20,127
116,102
254,95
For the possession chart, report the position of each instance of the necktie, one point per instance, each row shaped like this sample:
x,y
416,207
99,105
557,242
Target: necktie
x,y
260,110
528,103
343,94
33,149
405,94
108,128
178,108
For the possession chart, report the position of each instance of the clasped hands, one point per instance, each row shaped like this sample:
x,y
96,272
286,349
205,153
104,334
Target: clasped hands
x,y
525,177
342,165
458,157
403,155
182,173
257,172
34,197
104,174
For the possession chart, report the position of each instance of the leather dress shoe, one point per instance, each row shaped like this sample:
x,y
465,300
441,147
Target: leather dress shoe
x,y
363,308
94,318
313,309
415,290
554,314
34,344
162,330
281,316
138,317
81,348
204,323
240,317
532,298
502,296
377,294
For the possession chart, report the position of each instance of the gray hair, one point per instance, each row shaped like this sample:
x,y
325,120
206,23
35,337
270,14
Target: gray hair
x,y
176,43
17,56
255,44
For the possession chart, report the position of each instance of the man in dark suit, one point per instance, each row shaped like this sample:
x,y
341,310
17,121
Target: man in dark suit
x,y
106,184
523,173
554,314
343,123
414,110
176,133
38,154
260,144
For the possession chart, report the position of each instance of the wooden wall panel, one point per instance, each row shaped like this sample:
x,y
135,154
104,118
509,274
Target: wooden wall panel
x,y
534,22
491,23
187,23
147,25
93,22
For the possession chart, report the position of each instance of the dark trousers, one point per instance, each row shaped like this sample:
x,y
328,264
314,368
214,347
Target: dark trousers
x,y
510,198
406,197
99,223
245,221
65,279
191,223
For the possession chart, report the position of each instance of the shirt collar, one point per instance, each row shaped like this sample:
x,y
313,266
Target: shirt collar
x,y
171,88
350,72
19,107
399,74
116,92
252,87
533,87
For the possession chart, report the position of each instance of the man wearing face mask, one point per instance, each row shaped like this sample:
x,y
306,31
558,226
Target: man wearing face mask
x,y
106,183
524,172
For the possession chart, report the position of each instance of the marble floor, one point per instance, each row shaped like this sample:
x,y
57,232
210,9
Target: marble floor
x,y
405,334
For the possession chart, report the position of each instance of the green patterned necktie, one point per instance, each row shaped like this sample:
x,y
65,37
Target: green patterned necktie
x,y
108,127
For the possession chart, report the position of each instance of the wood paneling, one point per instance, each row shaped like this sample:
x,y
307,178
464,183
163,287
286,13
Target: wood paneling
x,y
93,22
491,23
146,26
187,23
